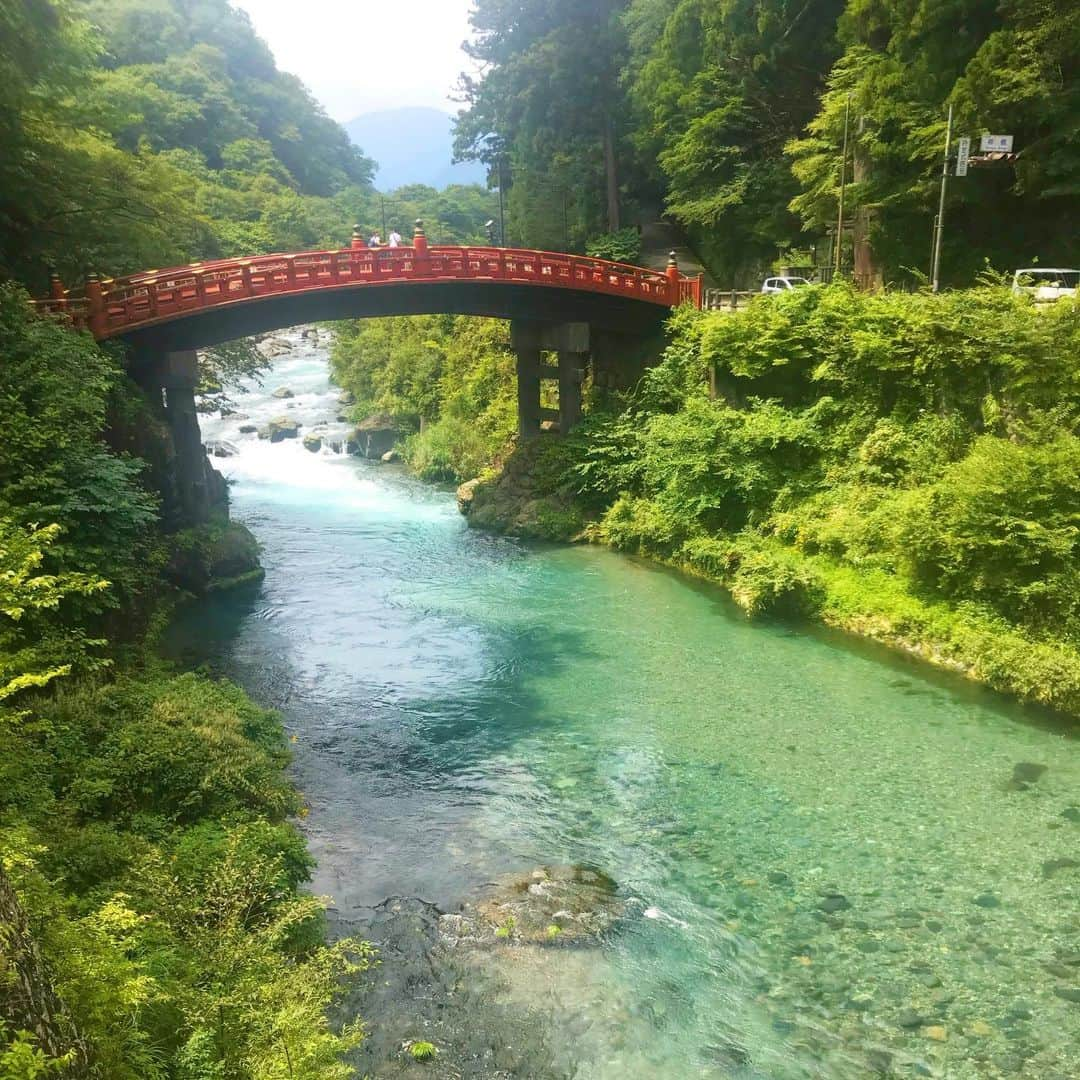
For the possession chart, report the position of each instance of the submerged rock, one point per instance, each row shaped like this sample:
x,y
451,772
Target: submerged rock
x,y
1024,774
248,429
280,428
551,905
283,392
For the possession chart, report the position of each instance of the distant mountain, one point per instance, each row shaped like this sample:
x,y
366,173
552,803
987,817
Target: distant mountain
x,y
412,146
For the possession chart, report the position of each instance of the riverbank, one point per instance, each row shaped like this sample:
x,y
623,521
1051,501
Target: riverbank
x,y
883,464
155,920
529,497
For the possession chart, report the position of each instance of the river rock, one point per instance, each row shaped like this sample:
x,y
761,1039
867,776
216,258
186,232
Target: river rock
x,y
834,902
465,494
374,435
519,500
279,429
309,333
346,397
390,457
272,347
221,449
248,429
313,443
283,392
551,905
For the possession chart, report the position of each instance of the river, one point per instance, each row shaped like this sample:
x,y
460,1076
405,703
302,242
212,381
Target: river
x,y
828,861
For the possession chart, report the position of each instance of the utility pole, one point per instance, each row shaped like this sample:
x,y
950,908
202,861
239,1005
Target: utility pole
x,y
382,204
843,184
502,205
939,225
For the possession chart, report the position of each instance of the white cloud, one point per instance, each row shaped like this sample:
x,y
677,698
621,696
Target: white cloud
x,y
357,55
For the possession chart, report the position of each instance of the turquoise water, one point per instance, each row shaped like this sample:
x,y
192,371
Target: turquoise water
x,y
834,863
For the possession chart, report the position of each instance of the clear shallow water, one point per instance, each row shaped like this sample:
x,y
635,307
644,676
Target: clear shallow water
x,y
845,876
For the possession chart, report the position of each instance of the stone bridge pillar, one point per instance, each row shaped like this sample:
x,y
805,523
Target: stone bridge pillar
x,y
192,490
570,342
178,373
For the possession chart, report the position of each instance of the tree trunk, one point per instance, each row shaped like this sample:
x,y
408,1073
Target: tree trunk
x,y
866,269
27,999
612,175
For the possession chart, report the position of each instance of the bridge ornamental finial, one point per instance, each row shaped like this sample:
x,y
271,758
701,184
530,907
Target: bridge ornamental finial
x,y
420,241
672,260
56,286
357,236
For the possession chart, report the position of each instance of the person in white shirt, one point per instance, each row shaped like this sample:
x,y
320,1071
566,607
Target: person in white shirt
x,y
394,240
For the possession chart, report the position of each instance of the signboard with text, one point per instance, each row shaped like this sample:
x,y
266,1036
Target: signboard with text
x,y
996,144
963,152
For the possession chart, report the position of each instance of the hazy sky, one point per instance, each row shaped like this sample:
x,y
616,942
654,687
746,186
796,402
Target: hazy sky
x,y
359,55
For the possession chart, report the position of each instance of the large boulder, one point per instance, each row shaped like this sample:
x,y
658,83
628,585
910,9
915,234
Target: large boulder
x,y
374,436
280,428
221,448
210,558
274,346
313,443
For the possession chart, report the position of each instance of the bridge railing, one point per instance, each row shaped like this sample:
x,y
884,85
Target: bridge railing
x,y
114,305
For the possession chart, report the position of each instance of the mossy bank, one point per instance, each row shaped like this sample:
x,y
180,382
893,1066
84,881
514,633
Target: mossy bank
x,y
905,467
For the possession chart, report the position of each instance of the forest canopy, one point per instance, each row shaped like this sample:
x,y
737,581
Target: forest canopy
x,y
730,114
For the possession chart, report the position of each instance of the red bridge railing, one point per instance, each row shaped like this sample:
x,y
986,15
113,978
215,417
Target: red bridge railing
x,y
114,306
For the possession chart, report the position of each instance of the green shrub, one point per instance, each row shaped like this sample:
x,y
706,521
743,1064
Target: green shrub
x,y
624,246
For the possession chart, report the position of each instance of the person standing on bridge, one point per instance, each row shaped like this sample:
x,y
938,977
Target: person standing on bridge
x,y
394,239
375,241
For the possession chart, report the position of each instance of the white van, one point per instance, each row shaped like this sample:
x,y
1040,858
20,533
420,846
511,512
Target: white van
x,y
1044,283
782,284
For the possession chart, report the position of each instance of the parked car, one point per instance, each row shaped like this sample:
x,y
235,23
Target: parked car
x,y
782,284
1044,283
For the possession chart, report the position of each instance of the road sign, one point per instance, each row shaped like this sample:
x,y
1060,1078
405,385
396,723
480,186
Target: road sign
x,y
1000,143
963,151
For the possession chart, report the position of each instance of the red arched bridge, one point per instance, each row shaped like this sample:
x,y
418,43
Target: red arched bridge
x,y
584,314
191,307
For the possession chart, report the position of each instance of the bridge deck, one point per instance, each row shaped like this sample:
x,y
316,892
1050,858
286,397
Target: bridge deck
x,y
125,306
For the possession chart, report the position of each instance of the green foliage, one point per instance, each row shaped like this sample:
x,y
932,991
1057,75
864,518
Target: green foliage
x,y
903,465
55,390
622,246
731,115
422,1051
141,133
546,107
144,829
451,377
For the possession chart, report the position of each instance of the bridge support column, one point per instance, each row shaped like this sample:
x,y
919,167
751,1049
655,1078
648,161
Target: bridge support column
x,y
571,376
179,375
570,341
525,341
